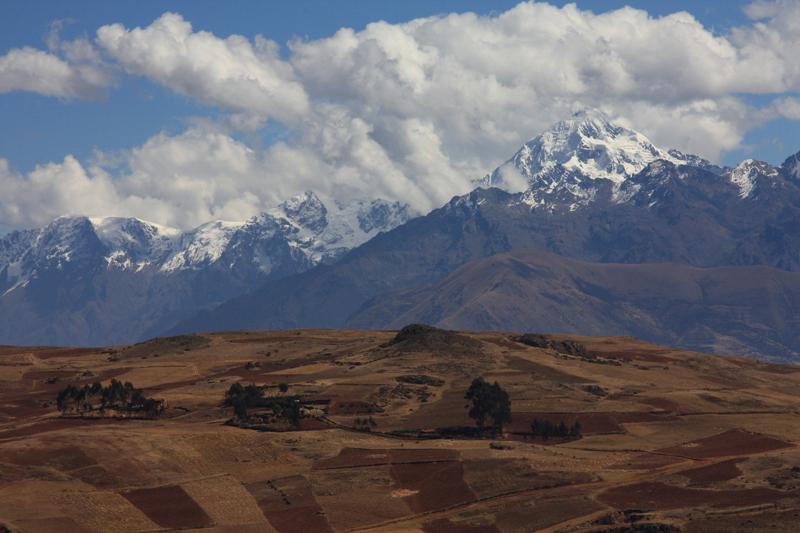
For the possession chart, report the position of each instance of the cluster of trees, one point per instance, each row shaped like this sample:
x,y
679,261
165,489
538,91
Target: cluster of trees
x,y
244,398
489,403
547,429
117,396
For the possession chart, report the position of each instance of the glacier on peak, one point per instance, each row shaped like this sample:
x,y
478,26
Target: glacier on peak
x,y
589,144
747,173
302,227
575,160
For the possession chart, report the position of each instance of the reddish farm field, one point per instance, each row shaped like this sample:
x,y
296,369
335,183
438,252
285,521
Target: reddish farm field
x,y
660,496
729,443
169,506
713,473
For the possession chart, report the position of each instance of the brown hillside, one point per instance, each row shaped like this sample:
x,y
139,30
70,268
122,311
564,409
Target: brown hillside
x,y
671,440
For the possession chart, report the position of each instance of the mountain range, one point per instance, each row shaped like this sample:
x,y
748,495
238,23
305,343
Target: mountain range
x,y
598,231
82,280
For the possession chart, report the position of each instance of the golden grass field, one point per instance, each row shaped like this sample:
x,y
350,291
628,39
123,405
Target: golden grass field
x,y
672,440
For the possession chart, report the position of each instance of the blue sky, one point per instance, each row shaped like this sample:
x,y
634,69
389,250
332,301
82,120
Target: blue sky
x,y
37,129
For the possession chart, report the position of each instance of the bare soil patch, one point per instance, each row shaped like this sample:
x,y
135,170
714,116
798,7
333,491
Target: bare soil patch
x,y
169,506
646,461
491,477
65,458
714,473
660,496
433,485
289,505
730,443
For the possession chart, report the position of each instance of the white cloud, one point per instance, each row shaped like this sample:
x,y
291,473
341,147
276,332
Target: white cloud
x,y
232,73
786,108
51,190
29,69
183,181
70,69
413,111
770,47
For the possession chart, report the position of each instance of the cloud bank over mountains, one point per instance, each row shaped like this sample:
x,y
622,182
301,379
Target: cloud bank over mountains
x,y
410,112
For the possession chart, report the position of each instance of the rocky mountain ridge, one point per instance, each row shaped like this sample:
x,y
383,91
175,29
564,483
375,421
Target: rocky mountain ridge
x,y
143,275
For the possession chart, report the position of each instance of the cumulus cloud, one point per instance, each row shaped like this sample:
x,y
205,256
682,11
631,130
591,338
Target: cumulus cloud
x,y
32,70
771,45
415,111
51,190
181,180
232,73
69,69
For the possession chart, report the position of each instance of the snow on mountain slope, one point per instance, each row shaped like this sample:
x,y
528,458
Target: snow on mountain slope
x,y
134,243
201,246
310,231
578,160
747,174
326,233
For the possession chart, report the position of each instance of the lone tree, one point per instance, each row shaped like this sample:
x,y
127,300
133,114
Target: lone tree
x,y
489,401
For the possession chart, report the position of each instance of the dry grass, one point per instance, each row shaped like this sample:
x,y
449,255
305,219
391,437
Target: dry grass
x,y
688,433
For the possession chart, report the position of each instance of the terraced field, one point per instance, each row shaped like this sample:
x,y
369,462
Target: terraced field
x,y
671,440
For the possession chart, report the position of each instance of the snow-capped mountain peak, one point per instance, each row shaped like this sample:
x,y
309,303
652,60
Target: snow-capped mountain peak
x,y
298,233
747,173
201,246
306,210
327,232
133,242
586,144
579,160
64,240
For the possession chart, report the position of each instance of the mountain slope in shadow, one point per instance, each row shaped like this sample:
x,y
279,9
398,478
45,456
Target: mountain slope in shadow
x,y
745,310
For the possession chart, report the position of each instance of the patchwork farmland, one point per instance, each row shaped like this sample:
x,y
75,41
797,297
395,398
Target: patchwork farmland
x,y
669,440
